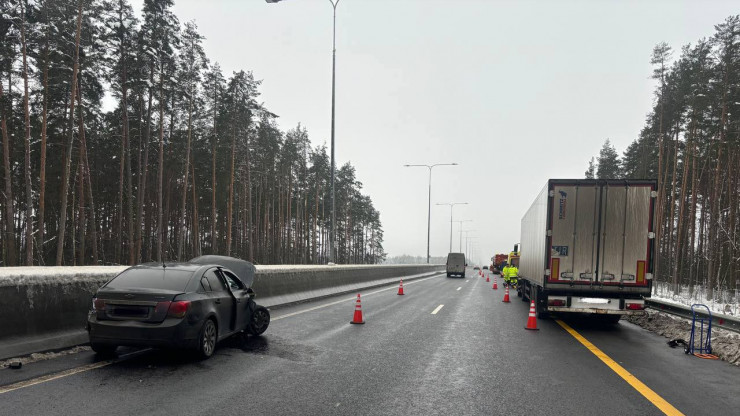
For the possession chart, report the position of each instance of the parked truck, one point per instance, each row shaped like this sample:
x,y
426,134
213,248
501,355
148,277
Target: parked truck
x,y
589,246
499,261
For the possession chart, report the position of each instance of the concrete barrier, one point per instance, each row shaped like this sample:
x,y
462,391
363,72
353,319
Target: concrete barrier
x,y
45,308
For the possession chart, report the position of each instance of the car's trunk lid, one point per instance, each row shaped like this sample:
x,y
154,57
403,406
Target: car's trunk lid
x,y
134,304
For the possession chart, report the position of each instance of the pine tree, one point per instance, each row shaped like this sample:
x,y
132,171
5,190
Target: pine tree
x,y
608,163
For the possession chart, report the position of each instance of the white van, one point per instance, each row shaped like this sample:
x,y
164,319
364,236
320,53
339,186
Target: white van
x,y
456,264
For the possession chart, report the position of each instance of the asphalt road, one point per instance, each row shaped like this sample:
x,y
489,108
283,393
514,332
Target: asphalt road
x,y
472,357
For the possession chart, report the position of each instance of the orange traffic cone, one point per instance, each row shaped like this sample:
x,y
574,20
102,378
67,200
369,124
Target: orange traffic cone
x,y
506,295
357,319
488,279
495,285
532,321
400,288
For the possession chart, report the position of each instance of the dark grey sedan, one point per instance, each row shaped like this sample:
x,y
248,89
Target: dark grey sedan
x,y
177,305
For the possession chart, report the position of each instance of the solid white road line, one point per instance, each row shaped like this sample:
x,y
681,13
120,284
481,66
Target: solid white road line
x,y
434,312
459,288
354,298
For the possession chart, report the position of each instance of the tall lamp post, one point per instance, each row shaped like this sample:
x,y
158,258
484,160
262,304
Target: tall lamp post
x,y
429,209
452,205
459,247
332,227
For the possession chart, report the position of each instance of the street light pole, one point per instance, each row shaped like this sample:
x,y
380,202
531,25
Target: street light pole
x,y
332,229
460,222
332,225
452,205
429,207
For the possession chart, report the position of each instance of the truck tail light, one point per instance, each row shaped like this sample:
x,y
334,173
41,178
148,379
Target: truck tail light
x,y
178,309
635,306
555,302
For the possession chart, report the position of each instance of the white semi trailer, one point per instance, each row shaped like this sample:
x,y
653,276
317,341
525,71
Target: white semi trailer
x,y
588,246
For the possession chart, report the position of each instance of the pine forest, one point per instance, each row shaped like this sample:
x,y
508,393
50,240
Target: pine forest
x,y
691,144
187,162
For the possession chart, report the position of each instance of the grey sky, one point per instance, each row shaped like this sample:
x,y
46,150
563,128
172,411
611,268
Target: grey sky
x,y
515,91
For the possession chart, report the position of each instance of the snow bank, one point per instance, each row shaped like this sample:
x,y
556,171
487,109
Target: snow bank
x,y
725,344
16,276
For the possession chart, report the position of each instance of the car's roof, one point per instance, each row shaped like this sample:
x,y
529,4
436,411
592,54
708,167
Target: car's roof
x,y
172,266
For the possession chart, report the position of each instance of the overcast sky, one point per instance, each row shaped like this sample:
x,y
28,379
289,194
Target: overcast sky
x,y
516,92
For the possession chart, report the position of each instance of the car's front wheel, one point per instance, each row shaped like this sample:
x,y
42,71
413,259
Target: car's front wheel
x,y
260,321
207,339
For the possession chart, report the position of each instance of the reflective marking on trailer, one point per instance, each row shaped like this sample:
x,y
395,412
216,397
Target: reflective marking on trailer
x,y
638,385
434,312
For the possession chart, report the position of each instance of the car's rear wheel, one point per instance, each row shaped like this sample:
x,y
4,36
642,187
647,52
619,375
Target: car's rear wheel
x,y
207,339
260,321
103,349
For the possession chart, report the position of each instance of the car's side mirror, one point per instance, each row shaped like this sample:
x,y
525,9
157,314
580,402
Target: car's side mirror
x,y
251,293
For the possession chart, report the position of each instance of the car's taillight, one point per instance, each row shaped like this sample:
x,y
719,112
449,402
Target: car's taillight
x,y
98,304
178,309
635,306
555,302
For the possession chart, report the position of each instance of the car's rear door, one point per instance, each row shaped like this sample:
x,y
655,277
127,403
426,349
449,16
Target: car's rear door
x,y
221,297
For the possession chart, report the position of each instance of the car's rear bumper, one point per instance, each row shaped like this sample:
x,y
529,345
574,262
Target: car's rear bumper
x,y
171,333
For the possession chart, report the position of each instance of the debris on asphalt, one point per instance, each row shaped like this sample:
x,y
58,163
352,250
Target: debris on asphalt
x,y
43,356
15,365
725,344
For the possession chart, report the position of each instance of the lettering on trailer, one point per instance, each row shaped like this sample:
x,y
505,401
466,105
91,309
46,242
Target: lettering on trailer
x,y
563,205
560,251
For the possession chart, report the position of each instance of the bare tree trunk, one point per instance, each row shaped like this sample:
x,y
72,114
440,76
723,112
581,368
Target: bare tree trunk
x,y
196,225
181,239
672,207
42,171
70,142
86,175
27,143
9,215
81,210
230,206
160,165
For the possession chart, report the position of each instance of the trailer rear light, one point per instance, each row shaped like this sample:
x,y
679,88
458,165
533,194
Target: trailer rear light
x,y
636,306
98,304
178,309
555,302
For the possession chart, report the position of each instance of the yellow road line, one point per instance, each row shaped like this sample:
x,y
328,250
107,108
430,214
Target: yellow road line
x,y
53,376
638,385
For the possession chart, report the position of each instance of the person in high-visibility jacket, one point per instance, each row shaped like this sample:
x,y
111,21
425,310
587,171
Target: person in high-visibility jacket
x,y
505,273
513,274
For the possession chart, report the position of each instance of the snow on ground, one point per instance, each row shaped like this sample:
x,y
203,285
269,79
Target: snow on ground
x,y
725,344
13,276
724,301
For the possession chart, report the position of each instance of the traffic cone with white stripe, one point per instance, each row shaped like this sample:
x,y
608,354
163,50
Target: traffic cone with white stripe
x,y
506,295
488,278
400,288
532,321
495,285
357,319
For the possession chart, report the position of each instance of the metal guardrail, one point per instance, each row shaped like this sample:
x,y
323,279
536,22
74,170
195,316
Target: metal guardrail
x,y
718,319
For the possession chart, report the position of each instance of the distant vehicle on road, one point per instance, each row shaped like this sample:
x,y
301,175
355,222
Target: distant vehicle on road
x,y
456,264
485,267
499,261
190,305
476,268
588,246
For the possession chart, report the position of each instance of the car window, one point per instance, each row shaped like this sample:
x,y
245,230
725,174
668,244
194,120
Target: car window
x,y
152,278
204,285
217,285
233,281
